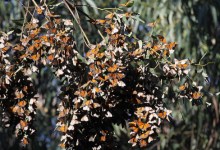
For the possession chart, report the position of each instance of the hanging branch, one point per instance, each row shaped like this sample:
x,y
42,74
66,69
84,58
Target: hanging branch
x,y
87,42
83,13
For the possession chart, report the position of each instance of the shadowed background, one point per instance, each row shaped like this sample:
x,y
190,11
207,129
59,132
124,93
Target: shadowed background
x,y
193,24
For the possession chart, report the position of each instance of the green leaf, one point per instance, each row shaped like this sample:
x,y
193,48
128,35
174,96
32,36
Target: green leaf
x,y
128,4
81,58
102,49
138,19
18,22
140,43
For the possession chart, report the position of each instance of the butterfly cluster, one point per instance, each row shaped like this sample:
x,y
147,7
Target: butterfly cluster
x,y
17,91
118,81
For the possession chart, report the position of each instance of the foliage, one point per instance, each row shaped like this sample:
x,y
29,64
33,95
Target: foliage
x,y
102,83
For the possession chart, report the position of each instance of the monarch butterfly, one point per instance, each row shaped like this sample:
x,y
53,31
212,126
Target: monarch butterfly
x,y
25,141
103,138
196,95
39,10
22,103
152,24
35,57
137,52
171,45
63,128
161,38
18,47
113,68
63,113
95,105
143,143
162,114
109,16
35,32
23,124
134,129
83,93
183,66
143,126
19,95
100,21
144,135
62,145
131,124
128,4
50,57
133,141
182,87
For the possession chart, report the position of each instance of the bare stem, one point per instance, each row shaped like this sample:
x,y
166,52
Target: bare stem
x,y
84,34
25,18
35,3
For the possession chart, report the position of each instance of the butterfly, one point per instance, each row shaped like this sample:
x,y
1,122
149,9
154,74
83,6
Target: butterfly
x,y
31,48
182,87
83,93
162,114
114,82
143,143
103,138
19,95
57,21
100,21
129,3
63,128
182,66
62,145
25,141
131,124
196,95
145,135
50,57
161,38
134,129
23,124
18,47
49,25
133,141
25,88
137,52
109,16
39,10
85,118
143,126
65,39
34,33
35,57
152,24
113,68
22,103
63,113
44,38
108,31
171,45
18,110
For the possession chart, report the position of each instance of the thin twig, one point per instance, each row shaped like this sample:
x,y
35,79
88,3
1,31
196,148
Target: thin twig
x,y
35,3
91,19
25,18
77,14
203,65
102,9
25,7
87,42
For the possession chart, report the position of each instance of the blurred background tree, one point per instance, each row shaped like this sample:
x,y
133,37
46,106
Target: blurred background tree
x,y
193,24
